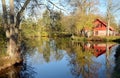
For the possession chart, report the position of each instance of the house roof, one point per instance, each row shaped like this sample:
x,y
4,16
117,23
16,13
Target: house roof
x,y
104,23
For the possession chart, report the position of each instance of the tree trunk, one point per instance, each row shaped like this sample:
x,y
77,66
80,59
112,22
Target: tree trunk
x,y
108,26
5,20
108,16
12,28
12,40
9,28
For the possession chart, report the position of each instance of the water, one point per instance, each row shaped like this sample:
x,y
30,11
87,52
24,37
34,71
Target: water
x,y
63,58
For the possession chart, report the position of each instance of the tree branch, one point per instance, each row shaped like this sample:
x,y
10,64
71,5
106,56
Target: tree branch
x,y
56,5
19,14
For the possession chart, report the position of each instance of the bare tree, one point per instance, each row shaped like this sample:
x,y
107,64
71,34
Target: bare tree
x,y
112,8
84,6
108,15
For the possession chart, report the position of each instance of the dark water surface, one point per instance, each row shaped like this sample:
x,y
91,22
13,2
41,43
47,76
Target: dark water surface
x,y
63,58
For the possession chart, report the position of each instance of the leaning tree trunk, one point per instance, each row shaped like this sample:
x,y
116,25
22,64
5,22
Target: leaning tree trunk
x,y
9,28
12,40
5,20
12,28
13,56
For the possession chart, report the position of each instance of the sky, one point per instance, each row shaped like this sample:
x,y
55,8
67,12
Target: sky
x,y
101,6
0,6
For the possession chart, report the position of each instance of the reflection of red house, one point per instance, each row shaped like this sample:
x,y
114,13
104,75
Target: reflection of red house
x,y
98,49
100,28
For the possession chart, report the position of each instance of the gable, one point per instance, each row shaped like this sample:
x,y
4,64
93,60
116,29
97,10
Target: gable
x,y
100,25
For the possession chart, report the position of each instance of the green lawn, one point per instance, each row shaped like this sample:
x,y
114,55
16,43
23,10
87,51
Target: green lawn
x,y
97,38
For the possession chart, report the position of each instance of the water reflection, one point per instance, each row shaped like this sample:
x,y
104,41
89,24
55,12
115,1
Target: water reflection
x,y
27,70
63,58
11,72
116,72
8,68
94,60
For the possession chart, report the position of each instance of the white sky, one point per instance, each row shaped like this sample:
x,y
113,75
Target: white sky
x,y
0,6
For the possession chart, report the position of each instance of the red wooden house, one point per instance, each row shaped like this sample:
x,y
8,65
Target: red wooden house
x,y
100,28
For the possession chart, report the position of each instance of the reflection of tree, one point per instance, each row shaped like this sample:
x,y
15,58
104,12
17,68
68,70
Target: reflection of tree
x,y
11,72
108,61
81,59
47,47
46,51
64,44
82,64
58,46
55,50
27,71
116,72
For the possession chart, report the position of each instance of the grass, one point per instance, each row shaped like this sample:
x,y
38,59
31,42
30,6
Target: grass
x,y
97,38
110,38
76,38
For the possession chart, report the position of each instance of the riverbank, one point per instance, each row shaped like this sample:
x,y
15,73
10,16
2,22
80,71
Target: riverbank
x,y
7,61
96,38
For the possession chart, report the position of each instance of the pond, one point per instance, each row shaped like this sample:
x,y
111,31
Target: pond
x,y
64,58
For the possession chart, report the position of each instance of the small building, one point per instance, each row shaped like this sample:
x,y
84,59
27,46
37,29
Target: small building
x,y
100,28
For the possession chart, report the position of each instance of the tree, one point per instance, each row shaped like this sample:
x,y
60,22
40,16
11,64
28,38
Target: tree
x,y
108,15
52,21
46,20
15,15
68,24
55,21
11,28
84,13
112,8
84,6
0,19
